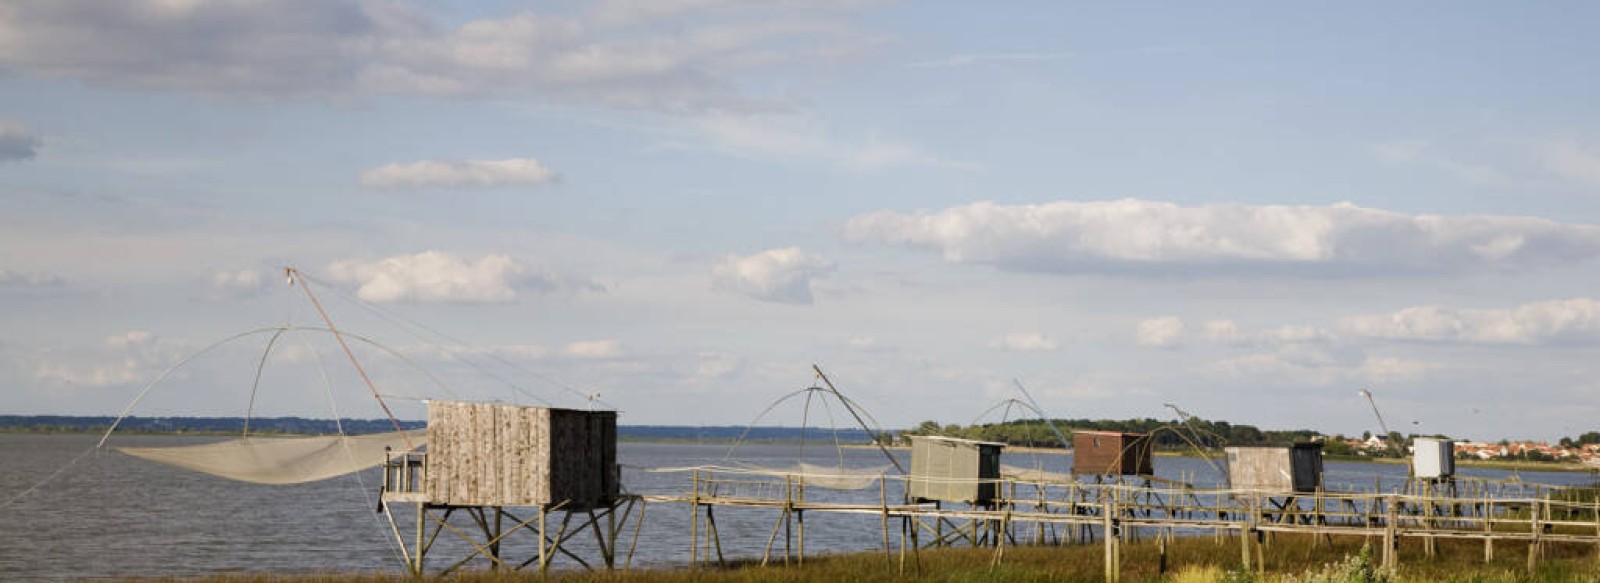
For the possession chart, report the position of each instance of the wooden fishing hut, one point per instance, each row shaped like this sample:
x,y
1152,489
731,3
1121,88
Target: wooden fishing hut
x,y
1433,458
486,459
1112,453
1291,468
947,469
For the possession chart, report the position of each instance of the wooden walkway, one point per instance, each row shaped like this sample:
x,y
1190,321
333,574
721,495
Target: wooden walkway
x,y
1111,514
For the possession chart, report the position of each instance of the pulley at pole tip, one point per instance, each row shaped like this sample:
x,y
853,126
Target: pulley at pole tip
x,y
288,276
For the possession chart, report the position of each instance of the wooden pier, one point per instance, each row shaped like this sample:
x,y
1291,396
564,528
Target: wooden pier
x,y
1110,514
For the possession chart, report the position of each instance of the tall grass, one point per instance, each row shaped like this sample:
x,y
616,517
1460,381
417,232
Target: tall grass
x,y
1199,559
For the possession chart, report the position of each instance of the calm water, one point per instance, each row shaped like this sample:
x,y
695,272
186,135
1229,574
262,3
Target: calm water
x,y
111,515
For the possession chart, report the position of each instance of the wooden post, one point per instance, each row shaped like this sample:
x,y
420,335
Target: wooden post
x,y
694,519
1107,514
800,519
883,499
1244,546
1429,546
544,553
494,541
421,516
1161,566
1535,530
1488,528
711,534
1390,534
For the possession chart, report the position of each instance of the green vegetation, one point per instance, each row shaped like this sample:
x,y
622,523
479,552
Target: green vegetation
x,y
1199,559
1168,435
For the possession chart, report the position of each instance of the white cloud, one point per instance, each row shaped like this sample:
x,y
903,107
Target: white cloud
x,y
1221,331
1320,365
862,343
123,359
1024,342
341,48
457,174
1163,332
244,282
16,143
790,137
1570,159
712,365
1135,235
435,276
593,349
775,275
1569,321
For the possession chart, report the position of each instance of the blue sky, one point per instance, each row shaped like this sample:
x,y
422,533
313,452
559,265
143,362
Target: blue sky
x,y
1251,210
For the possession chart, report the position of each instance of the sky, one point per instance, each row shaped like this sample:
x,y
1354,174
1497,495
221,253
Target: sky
x,y
1248,210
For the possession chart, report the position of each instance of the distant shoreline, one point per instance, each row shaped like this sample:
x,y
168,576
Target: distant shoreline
x,y
662,434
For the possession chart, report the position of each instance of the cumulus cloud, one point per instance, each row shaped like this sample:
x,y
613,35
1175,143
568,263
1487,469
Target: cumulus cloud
x,y
16,143
123,359
1569,321
457,174
435,276
1570,159
1024,342
1315,365
775,275
1136,236
1163,332
340,48
593,349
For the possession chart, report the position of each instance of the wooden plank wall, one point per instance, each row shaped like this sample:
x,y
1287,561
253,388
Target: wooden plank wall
x,y
953,470
1260,468
1112,453
488,454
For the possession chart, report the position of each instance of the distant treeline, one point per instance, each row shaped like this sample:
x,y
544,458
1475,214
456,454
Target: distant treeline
x,y
202,425
303,426
1168,434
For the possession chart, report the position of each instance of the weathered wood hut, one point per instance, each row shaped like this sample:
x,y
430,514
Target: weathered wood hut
x,y
1291,468
1112,453
489,454
1433,458
947,469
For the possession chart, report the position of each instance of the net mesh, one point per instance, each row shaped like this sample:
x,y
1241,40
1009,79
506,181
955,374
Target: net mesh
x,y
1022,474
280,460
837,478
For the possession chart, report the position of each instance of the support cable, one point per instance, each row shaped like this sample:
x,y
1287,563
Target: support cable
x,y
849,406
292,273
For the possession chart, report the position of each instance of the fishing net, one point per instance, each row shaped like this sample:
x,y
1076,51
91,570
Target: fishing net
x,y
812,475
837,478
280,460
1021,474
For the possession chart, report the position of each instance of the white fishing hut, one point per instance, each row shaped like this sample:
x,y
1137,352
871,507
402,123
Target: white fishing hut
x,y
946,469
1433,458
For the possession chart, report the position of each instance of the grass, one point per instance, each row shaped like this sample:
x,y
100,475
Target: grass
x,y
1198,559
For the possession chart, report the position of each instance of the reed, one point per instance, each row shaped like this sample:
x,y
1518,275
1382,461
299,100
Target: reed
x,y
1201,559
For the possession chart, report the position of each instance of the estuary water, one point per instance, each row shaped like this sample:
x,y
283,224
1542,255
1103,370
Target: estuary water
x,y
109,515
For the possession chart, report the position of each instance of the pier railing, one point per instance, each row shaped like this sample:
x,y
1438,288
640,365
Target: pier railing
x,y
1119,510
404,476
